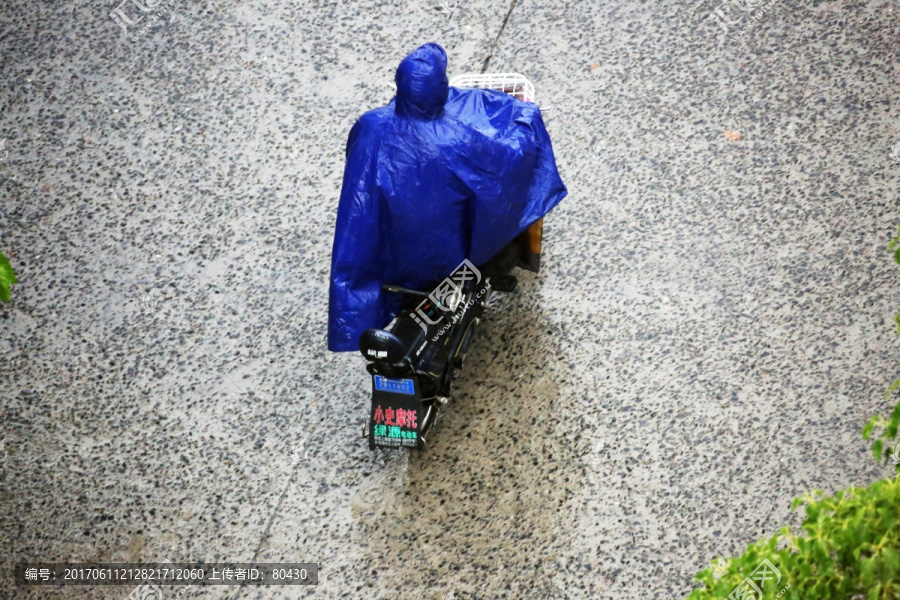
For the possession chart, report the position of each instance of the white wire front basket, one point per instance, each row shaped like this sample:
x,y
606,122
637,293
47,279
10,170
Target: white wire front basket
x,y
514,84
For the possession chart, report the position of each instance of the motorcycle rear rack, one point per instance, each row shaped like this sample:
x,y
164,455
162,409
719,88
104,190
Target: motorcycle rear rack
x,y
514,84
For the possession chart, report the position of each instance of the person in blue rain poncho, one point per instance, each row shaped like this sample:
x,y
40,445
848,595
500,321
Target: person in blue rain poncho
x,y
437,176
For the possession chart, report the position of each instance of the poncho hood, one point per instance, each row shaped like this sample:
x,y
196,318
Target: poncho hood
x,y
421,80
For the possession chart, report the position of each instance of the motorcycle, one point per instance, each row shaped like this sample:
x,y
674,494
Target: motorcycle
x,y
414,359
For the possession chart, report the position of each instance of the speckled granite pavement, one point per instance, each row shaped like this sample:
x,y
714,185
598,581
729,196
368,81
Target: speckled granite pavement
x,y
710,331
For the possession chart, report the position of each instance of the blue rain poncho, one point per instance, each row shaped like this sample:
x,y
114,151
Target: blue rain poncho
x,y
437,176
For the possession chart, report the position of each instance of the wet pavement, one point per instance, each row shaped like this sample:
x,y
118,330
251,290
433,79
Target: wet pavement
x,y
711,328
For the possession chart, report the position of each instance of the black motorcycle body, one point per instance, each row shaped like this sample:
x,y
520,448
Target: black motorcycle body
x,y
413,360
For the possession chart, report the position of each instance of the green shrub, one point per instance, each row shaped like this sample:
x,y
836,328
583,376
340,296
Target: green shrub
x,y
7,278
894,246
886,447
849,547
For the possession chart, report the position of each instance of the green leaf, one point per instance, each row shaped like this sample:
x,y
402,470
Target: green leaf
x,y
7,278
869,426
876,449
891,561
896,384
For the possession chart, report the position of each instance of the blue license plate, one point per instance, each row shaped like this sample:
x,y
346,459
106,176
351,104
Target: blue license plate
x,y
396,386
